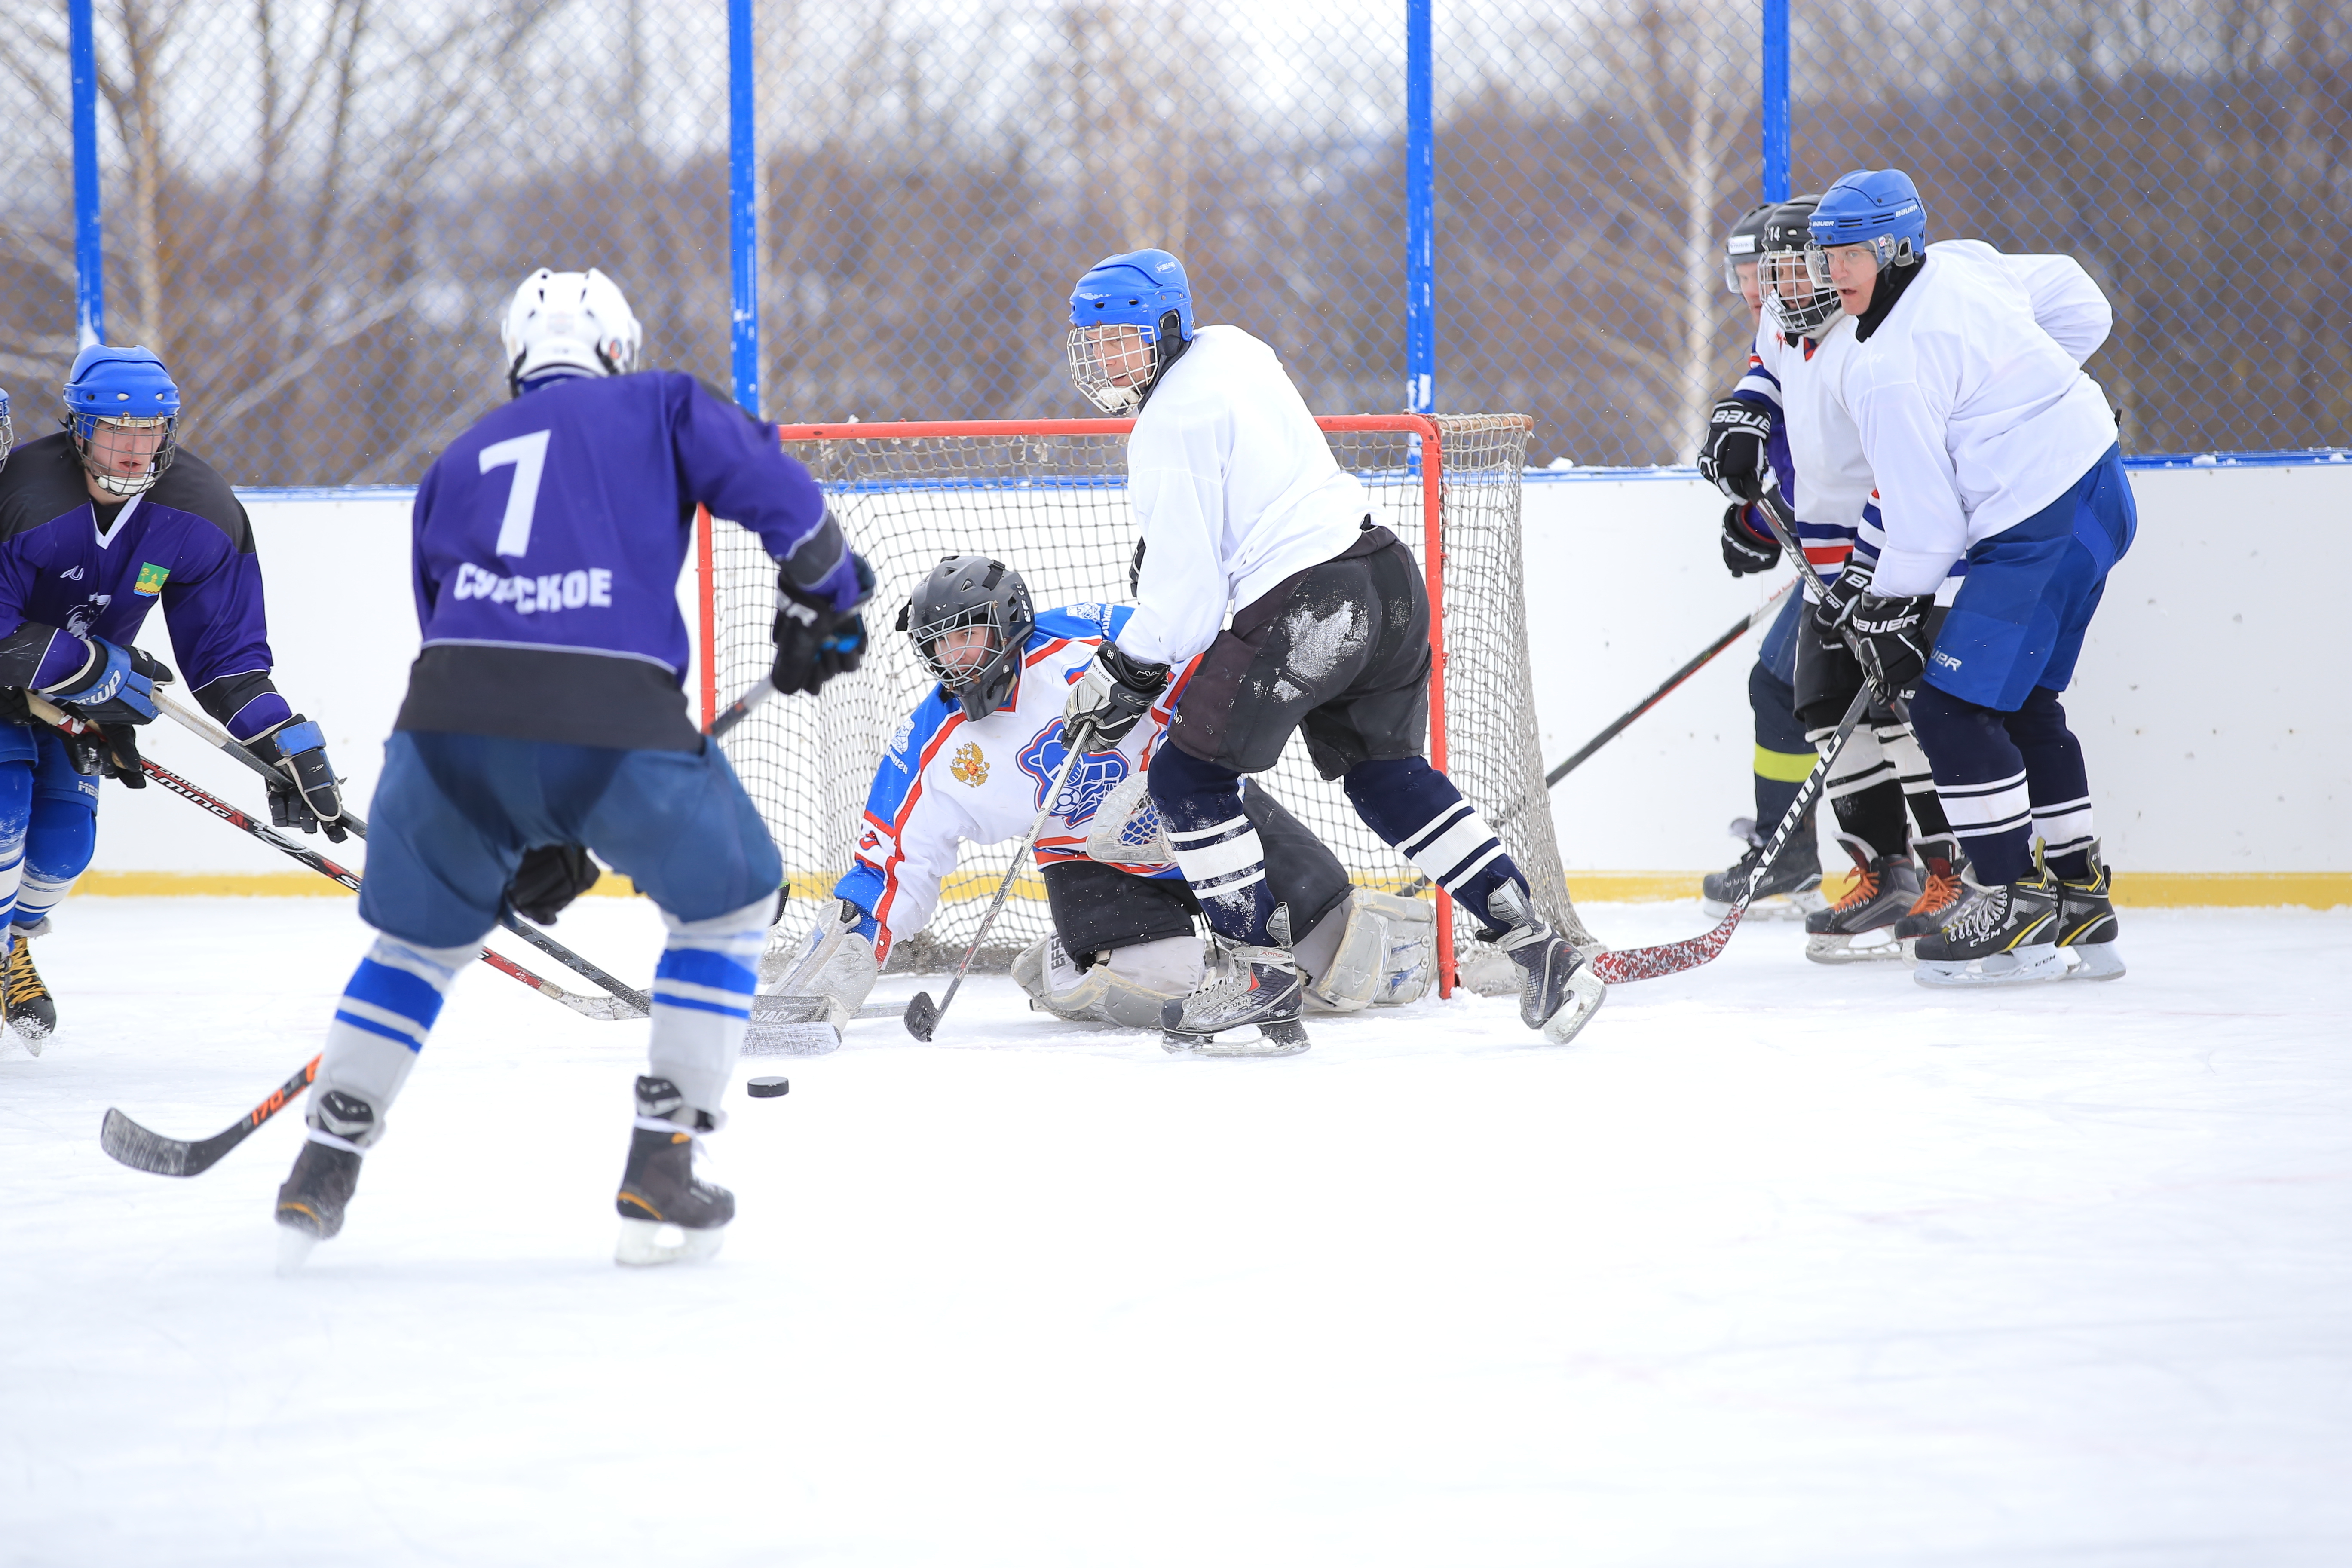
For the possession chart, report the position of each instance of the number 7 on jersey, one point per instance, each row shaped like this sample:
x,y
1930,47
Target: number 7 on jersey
x,y
528,456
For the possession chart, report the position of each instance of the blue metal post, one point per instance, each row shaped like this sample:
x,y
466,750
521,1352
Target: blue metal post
x,y
742,205
1776,101
1420,216
90,258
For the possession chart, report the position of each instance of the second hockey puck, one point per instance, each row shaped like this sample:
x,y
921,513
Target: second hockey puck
x,y
768,1088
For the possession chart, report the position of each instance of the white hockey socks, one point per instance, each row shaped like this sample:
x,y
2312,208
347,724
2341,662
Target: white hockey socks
x,y
702,999
388,1010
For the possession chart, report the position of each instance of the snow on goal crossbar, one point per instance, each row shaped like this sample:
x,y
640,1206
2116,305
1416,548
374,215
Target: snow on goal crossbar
x,y
1049,497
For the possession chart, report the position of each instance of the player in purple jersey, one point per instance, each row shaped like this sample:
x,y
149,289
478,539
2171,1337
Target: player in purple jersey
x,y
99,524
545,718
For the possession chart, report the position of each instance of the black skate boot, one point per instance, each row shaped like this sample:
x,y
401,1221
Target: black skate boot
x,y
1259,989
31,1011
1885,887
1941,888
2086,923
1792,890
312,1201
660,1189
2005,935
1558,993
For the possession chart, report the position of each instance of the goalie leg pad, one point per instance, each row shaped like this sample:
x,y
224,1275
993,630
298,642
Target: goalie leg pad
x,y
1126,987
1378,950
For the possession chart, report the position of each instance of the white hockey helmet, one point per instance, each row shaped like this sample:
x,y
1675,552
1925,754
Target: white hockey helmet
x,y
576,321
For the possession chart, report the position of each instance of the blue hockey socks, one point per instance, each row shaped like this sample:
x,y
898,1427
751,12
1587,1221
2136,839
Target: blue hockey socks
x,y
386,1011
702,999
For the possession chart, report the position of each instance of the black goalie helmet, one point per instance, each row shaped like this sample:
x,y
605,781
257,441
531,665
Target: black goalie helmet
x,y
964,594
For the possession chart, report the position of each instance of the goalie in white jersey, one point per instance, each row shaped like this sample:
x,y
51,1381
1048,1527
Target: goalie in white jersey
x,y
1987,443
972,765
1243,510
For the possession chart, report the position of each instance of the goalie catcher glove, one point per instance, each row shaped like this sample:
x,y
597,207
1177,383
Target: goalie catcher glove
x,y
1731,458
1840,597
1744,552
305,793
1890,641
815,642
1113,695
116,687
549,878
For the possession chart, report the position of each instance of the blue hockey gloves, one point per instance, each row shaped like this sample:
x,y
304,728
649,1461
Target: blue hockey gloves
x,y
116,687
309,797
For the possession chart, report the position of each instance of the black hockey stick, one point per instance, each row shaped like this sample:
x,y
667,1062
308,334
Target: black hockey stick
x,y
221,741
922,1014
743,708
140,1150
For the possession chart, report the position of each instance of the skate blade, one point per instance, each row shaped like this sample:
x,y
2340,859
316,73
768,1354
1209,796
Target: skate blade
x,y
641,1247
1585,995
2047,964
294,1248
2097,960
1838,947
1270,1040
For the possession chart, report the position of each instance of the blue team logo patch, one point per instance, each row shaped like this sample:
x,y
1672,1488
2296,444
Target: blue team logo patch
x,y
1097,774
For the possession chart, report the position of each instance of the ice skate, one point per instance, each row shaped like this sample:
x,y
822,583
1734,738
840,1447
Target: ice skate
x,y
659,1190
1941,888
1259,990
2004,935
2086,923
1558,993
1792,890
1861,926
312,1200
31,1011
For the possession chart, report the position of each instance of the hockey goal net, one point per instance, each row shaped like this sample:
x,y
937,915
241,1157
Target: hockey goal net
x,y
1049,499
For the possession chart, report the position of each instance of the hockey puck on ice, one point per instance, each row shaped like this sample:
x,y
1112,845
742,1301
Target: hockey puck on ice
x,y
768,1088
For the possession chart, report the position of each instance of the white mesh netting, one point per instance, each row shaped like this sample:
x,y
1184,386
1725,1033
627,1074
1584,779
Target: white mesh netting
x,y
1053,506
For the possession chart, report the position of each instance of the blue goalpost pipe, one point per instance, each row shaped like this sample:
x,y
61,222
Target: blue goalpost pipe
x,y
743,206
1421,216
90,258
1776,101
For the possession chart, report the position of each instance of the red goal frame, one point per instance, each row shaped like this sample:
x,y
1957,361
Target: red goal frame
x,y
1433,555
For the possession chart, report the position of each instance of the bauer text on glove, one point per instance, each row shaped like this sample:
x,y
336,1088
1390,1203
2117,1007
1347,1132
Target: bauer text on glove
x,y
1114,693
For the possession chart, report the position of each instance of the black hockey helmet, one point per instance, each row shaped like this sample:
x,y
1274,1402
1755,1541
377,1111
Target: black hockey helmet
x,y
965,591
1796,284
1742,245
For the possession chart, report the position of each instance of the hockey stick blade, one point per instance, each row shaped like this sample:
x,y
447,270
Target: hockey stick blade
x,y
133,1145
922,1016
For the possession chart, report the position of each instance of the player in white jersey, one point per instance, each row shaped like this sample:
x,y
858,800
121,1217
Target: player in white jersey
x,y
1242,508
1987,443
1904,882
972,765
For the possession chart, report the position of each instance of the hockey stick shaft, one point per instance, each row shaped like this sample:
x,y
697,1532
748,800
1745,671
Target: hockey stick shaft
x,y
922,1017
135,1146
1615,968
1782,520
221,741
743,708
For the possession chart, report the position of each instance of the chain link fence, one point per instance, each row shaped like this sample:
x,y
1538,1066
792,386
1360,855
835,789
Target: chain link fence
x,y
316,209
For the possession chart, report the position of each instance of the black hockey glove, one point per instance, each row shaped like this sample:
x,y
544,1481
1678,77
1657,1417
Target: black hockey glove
x,y
1114,693
1840,598
549,878
1742,551
306,794
1731,459
815,642
1890,640
117,687
117,754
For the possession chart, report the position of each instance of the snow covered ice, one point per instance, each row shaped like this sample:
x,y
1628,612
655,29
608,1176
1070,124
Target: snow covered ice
x,y
1775,1265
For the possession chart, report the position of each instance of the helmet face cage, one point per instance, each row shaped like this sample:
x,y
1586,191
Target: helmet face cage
x,y
1797,287
94,437
964,592
1101,352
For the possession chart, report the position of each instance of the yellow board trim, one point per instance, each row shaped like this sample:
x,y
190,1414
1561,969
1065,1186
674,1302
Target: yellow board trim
x,y
2137,889
1786,767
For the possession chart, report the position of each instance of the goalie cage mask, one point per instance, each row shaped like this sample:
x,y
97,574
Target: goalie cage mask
x,y
963,592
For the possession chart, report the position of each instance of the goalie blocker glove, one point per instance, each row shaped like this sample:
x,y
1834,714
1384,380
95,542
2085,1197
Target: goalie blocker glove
x,y
815,642
1113,695
1890,641
1732,456
305,793
1743,551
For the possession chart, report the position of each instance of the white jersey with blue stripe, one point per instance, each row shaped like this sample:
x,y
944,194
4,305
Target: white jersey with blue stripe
x,y
946,780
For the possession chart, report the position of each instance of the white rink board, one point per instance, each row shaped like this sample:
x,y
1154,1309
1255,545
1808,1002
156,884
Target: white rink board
x,y
2215,743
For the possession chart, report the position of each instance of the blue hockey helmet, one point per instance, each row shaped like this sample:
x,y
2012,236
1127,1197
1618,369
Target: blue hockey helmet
x,y
1877,207
1143,289
121,407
